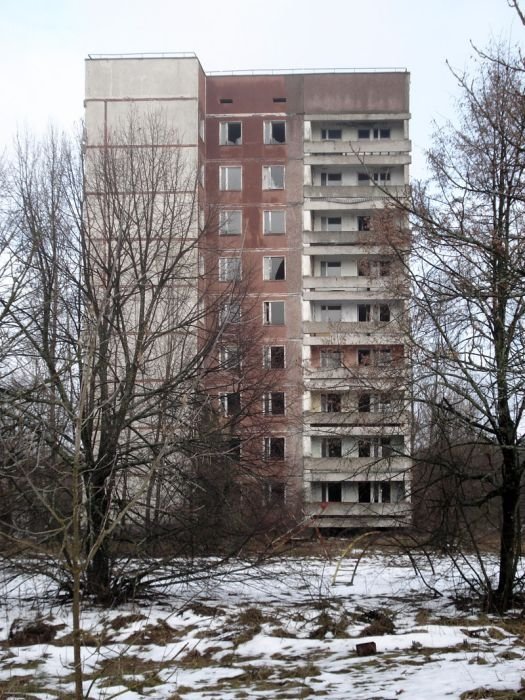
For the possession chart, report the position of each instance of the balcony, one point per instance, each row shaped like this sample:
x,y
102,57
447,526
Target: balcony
x,y
375,510
361,148
398,418
380,378
356,468
367,193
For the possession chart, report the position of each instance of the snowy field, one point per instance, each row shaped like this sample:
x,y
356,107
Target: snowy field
x,y
289,631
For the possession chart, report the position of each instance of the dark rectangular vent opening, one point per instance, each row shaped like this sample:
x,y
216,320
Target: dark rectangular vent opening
x,y
279,99
225,100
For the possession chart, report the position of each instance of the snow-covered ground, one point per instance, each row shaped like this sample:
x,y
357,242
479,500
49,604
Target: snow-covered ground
x,y
289,631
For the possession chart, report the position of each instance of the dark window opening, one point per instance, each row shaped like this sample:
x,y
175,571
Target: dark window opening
x,y
332,447
363,312
276,132
274,357
364,357
363,133
363,177
331,492
363,223
364,403
332,134
274,448
276,493
274,403
364,448
231,133
384,312
234,449
331,403
364,491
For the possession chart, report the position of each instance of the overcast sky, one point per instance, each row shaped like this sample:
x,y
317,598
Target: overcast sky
x,y
43,44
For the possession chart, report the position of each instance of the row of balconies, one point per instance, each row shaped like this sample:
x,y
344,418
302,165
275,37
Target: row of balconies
x,y
356,418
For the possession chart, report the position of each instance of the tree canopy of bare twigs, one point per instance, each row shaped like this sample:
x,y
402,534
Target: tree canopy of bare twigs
x,y
467,321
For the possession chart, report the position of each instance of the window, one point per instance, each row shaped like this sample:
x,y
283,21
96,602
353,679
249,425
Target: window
x,y
382,177
364,357
330,268
274,221
231,403
331,312
364,312
374,492
363,223
381,133
331,403
273,177
330,359
384,312
331,447
234,449
363,177
230,313
274,268
276,493
230,222
331,179
274,448
374,268
331,492
379,448
229,269
384,357
331,223
230,178
364,403
230,357
273,313
364,448
230,133
331,134
275,132
363,133
273,357
273,403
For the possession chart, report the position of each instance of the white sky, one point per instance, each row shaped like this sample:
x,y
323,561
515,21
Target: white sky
x,y
43,44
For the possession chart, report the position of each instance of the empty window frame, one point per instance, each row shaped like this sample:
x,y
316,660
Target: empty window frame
x,y
364,357
331,403
330,268
274,268
231,403
364,312
382,177
230,357
331,447
374,491
275,132
230,312
229,269
330,359
230,178
331,223
273,177
273,313
364,403
331,134
363,133
331,179
276,493
273,403
331,491
274,449
274,221
363,177
381,132
230,133
230,222
378,448
234,449
363,223
374,268
273,357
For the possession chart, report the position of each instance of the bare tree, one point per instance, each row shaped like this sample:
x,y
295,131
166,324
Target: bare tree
x,y
123,388
468,309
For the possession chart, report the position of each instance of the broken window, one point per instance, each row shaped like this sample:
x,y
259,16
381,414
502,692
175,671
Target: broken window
x,y
230,178
273,357
273,177
274,448
331,403
331,447
234,449
273,313
273,403
274,221
274,268
363,490
229,269
231,403
276,493
230,222
363,223
374,492
230,357
364,357
230,133
364,312
331,491
275,132
384,312
364,403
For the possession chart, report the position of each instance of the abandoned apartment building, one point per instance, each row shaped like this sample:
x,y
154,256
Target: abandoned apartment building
x,y
300,167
